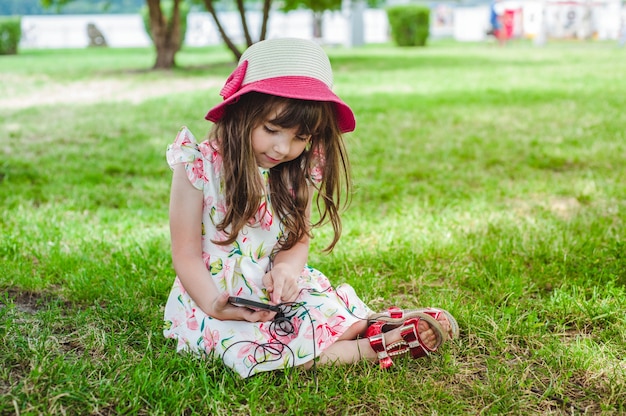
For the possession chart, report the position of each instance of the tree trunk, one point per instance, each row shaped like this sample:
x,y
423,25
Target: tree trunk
x,y
318,18
166,58
229,43
267,5
244,22
165,34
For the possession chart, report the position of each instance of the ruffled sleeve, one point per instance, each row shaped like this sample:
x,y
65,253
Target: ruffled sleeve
x,y
185,150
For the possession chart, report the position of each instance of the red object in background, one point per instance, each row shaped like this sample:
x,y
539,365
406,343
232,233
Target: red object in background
x,y
507,23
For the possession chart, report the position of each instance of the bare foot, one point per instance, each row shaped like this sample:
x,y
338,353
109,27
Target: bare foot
x,y
445,325
427,334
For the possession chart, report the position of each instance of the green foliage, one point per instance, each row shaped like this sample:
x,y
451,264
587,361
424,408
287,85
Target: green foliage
x,y
314,5
410,24
20,7
320,5
56,3
10,35
167,6
82,6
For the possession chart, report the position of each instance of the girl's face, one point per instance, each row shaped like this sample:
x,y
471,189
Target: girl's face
x,y
273,144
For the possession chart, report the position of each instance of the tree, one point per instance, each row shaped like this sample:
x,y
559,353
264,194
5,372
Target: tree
x,y
166,31
318,7
267,5
165,28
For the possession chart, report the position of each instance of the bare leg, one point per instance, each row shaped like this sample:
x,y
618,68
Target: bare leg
x,y
348,349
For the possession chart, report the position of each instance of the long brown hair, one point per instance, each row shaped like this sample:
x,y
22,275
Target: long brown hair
x,y
288,181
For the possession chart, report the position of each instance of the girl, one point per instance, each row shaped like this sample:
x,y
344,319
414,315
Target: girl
x,y
240,226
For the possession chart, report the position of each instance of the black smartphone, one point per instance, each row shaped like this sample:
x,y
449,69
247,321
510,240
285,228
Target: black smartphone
x,y
252,304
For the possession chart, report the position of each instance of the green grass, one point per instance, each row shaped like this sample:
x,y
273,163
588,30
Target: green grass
x,y
488,181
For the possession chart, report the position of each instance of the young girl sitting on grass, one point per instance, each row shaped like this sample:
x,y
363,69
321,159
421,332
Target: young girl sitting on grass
x,y
240,226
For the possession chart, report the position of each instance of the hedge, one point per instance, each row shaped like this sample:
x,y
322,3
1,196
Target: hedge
x,y
10,34
410,24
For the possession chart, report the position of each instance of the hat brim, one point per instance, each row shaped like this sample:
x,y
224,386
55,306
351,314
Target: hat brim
x,y
298,87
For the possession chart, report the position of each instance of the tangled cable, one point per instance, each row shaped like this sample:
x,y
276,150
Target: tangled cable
x,y
281,330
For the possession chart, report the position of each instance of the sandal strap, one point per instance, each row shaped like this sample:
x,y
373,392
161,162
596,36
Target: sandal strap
x,y
410,334
416,347
454,325
395,312
397,348
377,342
382,326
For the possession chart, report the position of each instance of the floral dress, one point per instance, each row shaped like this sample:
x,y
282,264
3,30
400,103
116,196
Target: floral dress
x,y
317,318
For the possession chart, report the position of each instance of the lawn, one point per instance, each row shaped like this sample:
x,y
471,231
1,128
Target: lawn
x,y
488,181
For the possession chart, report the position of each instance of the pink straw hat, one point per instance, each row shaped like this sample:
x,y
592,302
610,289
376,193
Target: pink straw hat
x,y
287,67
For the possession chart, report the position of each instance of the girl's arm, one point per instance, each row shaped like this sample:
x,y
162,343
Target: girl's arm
x,y
186,204
282,280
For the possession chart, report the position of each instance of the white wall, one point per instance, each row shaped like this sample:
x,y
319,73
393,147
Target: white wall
x,y
471,23
70,31
461,23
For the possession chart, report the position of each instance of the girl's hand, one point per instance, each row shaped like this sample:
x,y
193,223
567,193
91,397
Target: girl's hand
x,y
224,311
282,284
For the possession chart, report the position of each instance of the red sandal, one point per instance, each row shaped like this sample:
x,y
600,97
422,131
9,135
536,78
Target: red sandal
x,y
410,334
374,334
395,313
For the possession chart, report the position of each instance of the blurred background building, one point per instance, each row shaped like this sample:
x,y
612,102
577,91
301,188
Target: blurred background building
x,y
462,21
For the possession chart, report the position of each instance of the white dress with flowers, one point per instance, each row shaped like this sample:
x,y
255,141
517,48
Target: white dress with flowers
x,y
320,315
